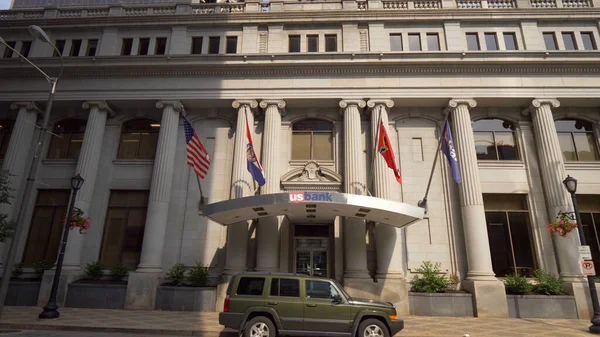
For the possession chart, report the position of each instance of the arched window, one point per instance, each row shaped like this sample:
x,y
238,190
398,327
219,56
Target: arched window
x,y
312,139
576,138
138,139
495,140
71,138
5,132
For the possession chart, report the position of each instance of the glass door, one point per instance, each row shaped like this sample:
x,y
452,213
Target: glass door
x,y
312,256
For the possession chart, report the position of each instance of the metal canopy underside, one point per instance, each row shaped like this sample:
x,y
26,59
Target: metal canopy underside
x,y
313,207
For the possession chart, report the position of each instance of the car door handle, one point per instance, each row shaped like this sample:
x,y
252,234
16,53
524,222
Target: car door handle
x,y
311,305
272,303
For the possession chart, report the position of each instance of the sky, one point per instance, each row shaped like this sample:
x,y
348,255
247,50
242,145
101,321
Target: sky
x,y
4,4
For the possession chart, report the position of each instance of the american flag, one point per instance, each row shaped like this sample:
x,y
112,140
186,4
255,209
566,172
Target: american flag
x,y
197,156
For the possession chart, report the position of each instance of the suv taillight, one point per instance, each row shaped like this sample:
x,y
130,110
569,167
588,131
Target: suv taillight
x,y
226,304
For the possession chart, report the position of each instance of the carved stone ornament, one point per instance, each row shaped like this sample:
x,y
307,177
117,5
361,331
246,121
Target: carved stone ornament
x,y
177,106
372,103
455,102
279,102
102,105
27,105
311,177
538,102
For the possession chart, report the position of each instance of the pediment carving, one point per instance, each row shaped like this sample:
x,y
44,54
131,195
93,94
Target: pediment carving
x,y
311,177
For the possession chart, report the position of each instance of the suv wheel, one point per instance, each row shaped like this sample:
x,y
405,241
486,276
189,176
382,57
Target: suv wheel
x,y
259,326
372,328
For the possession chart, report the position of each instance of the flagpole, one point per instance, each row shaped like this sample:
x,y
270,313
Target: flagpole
x,y
200,188
371,178
423,203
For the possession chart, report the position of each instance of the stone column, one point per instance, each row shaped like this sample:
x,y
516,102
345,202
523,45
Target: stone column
x,y
488,292
356,275
267,258
141,288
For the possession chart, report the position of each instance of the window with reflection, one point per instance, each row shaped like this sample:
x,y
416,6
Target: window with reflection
x,y
5,133
577,141
138,139
312,139
495,140
589,206
68,145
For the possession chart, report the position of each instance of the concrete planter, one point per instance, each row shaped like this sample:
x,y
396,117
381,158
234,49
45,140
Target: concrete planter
x,y
186,298
96,296
541,306
441,304
23,293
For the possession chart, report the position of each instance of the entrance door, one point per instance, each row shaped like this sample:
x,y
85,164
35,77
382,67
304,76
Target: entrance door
x,y
312,256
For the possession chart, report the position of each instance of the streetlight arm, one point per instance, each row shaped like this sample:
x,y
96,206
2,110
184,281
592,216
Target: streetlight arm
x,y
62,64
27,60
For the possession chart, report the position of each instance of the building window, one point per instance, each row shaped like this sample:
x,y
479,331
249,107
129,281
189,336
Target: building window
x,y
197,45
569,41
510,41
330,43
69,145
588,41
46,226
312,43
495,140
507,220
92,47
550,41
139,138
127,45
60,45
491,43
25,48
75,47
214,43
294,43
472,41
576,138
590,220
396,42
124,230
231,44
161,46
312,139
8,53
433,42
143,46
5,133
414,42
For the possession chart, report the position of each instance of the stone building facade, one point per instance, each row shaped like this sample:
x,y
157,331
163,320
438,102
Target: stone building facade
x,y
519,78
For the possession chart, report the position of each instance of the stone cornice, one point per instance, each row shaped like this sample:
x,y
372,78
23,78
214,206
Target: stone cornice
x,y
102,105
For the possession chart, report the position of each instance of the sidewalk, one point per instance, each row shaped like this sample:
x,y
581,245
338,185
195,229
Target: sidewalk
x,y
207,324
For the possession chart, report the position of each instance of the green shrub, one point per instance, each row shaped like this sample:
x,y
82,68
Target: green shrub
x,y
547,284
94,270
17,270
176,275
431,280
198,275
40,266
517,284
118,271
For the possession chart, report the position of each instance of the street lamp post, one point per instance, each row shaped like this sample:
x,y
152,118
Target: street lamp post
x,y
29,185
50,310
571,185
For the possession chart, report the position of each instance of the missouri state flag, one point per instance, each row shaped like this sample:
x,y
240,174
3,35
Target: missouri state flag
x,y
386,150
450,152
253,165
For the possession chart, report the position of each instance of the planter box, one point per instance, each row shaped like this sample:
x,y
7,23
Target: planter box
x,y
442,304
186,298
23,293
96,296
541,306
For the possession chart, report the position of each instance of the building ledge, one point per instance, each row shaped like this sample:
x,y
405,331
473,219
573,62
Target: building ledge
x,y
501,164
133,162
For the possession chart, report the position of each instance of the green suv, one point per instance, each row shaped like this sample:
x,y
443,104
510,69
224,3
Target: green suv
x,y
266,305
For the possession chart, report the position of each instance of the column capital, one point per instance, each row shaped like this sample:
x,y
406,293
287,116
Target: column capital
x,y
279,102
102,105
455,102
372,103
251,103
27,105
177,105
344,103
538,102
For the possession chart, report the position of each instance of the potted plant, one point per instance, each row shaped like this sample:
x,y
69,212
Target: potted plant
x,y
563,224
96,290
78,221
186,289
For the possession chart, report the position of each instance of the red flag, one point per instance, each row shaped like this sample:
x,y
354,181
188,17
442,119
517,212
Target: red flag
x,y
386,150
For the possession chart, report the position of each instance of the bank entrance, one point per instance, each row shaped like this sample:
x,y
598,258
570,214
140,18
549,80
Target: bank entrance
x,y
312,246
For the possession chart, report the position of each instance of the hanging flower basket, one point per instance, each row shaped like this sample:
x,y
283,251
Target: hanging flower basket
x,y
79,221
563,225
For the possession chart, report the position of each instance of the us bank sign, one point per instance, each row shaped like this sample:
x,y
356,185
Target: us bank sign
x,y
310,196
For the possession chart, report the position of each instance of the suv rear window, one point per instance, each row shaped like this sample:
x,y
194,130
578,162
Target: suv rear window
x,y
285,287
251,286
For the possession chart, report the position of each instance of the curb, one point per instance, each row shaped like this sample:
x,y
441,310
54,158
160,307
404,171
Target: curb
x,y
225,332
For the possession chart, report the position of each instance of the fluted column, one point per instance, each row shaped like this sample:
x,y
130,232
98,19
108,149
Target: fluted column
x,y
553,173
160,188
479,258
355,246
267,258
388,238
242,185
87,167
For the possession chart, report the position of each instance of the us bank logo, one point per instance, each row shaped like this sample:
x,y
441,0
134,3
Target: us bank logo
x,y
309,196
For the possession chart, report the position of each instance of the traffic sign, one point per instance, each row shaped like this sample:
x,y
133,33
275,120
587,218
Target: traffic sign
x,y
588,268
585,254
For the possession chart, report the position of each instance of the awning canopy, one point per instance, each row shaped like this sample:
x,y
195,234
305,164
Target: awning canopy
x,y
313,207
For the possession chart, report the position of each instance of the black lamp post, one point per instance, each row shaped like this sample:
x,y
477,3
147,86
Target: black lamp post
x,y
50,310
571,185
